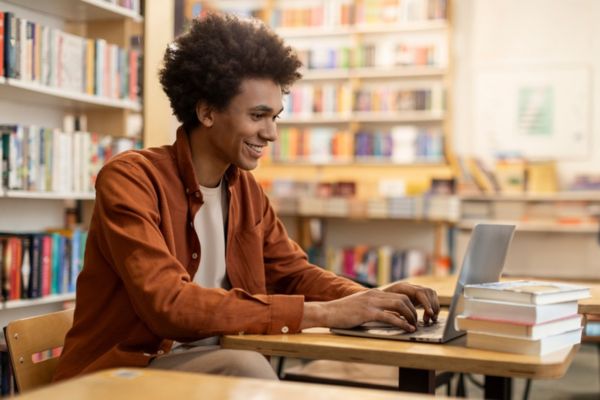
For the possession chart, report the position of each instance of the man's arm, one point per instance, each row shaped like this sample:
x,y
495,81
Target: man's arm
x,y
335,301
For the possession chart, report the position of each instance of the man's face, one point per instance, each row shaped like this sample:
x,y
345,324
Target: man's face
x,y
241,132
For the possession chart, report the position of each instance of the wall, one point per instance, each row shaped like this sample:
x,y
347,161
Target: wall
x,y
532,33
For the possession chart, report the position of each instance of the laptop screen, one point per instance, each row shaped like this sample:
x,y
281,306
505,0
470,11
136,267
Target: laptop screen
x,y
483,262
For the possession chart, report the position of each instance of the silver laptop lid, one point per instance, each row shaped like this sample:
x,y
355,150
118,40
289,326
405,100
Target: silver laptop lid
x,y
483,262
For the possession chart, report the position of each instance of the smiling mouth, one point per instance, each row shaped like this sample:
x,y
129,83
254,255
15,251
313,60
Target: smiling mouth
x,y
255,148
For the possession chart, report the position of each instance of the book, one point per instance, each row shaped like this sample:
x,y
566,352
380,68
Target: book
x,y
528,292
535,347
529,331
517,312
1,43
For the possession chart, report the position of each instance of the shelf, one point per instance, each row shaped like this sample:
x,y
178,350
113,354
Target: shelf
x,y
316,119
403,116
22,194
551,227
373,72
559,196
54,298
31,92
369,117
333,31
80,10
367,162
433,221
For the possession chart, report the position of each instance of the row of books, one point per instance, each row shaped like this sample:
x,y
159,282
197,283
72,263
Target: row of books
x,y
399,145
372,56
445,208
51,160
393,99
526,317
331,98
514,175
571,212
376,265
35,265
348,12
312,145
305,99
32,52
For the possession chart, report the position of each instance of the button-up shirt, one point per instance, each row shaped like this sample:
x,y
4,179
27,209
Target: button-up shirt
x,y
135,294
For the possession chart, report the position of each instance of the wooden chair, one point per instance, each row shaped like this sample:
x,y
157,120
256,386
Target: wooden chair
x,y
34,345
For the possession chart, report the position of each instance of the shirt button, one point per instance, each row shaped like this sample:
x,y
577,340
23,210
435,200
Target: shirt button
x,y
187,191
160,352
197,194
194,255
285,329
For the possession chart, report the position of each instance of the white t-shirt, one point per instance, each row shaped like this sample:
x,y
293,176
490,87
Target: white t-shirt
x,y
209,222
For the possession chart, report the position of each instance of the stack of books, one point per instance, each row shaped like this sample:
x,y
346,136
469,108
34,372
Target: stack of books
x,y
526,317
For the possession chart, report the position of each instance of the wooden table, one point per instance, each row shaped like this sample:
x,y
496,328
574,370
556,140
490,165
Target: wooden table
x,y
444,286
150,384
417,361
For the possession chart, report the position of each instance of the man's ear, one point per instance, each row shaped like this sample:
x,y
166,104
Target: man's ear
x,y
204,113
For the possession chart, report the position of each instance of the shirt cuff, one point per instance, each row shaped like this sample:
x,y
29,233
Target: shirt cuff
x,y
286,314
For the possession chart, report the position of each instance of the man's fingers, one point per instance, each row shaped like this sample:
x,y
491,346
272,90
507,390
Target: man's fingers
x,y
400,304
393,318
428,299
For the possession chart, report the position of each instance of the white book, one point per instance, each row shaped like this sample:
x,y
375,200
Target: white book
x,y
517,312
71,60
530,331
535,347
526,291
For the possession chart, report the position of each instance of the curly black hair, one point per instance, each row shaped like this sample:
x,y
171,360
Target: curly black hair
x,y
210,61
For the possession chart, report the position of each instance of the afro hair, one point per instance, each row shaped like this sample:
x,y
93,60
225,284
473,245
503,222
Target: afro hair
x,y
210,61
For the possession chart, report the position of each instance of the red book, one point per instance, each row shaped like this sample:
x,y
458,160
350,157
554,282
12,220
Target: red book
x,y
133,75
46,264
16,250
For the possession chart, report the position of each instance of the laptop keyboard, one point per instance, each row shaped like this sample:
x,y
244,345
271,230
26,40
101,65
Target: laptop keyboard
x,y
381,328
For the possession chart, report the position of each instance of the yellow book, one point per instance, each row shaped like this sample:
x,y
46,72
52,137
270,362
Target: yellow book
x,y
542,177
90,56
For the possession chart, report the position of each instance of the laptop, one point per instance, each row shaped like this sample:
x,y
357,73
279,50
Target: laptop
x,y
483,262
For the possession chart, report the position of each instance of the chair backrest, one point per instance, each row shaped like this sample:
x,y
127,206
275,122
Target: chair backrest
x,y
34,345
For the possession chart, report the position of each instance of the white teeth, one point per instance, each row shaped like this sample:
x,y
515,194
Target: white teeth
x,y
255,147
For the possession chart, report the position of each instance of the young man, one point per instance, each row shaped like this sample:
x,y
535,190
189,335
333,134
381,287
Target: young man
x,y
184,246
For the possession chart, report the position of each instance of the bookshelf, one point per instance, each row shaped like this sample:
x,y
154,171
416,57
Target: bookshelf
x,y
556,236
38,106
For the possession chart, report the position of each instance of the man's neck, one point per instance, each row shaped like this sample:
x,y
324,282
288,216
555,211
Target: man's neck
x,y
209,171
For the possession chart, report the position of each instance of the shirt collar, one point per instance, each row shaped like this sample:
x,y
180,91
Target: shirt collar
x,y
183,154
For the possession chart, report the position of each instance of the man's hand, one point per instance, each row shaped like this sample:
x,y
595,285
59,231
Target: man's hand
x,y
418,295
394,304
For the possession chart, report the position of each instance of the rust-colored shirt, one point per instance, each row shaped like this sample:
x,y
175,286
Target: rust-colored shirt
x,y
135,294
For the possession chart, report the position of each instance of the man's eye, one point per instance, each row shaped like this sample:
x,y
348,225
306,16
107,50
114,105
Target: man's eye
x,y
257,116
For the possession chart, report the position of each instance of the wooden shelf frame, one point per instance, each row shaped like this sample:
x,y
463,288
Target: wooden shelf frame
x,y
80,10
373,73
36,93
51,299
24,194
332,31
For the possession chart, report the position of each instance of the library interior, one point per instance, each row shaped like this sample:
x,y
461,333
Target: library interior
x,y
386,167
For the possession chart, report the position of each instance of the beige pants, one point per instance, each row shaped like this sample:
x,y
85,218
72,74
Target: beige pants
x,y
214,360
